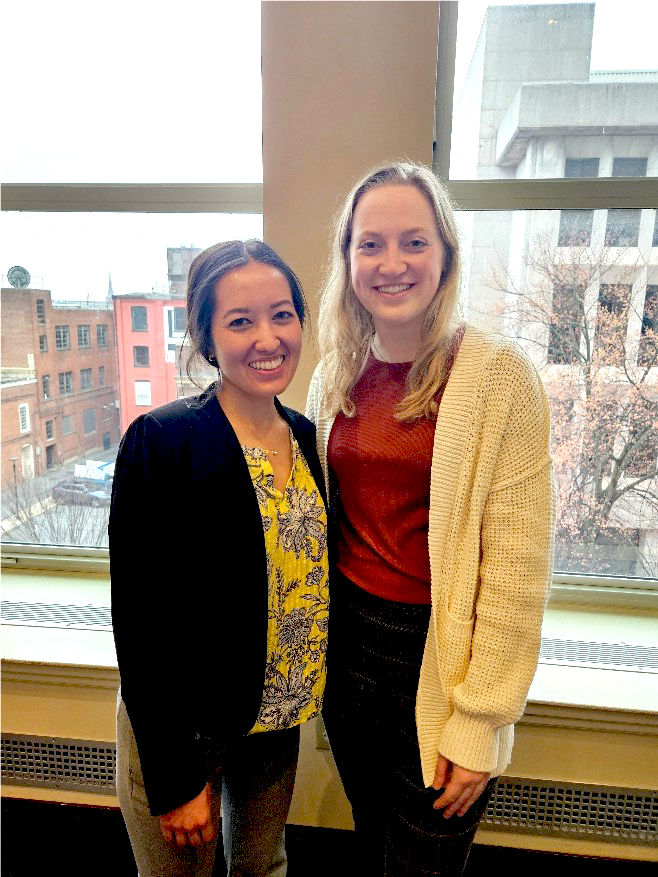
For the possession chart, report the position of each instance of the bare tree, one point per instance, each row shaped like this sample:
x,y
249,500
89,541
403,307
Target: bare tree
x,y
571,307
32,515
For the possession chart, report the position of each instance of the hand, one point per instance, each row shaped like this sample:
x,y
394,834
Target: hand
x,y
461,787
190,823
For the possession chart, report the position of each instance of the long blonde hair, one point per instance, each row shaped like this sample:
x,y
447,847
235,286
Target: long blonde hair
x,y
345,328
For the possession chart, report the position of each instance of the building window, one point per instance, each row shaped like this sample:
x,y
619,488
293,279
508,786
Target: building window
x,y
177,320
50,430
623,227
45,386
65,383
566,324
142,392
141,356
581,167
612,322
647,355
84,336
629,167
575,228
101,375
24,417
139,319
67,424
101,335
85,379
41,312
89,420
654,242
43,344
62,338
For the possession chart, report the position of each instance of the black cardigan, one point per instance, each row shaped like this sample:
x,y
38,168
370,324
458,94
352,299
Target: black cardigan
x,y
189,588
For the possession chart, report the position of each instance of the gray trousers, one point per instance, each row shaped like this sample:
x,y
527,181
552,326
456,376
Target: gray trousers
x,y
255,788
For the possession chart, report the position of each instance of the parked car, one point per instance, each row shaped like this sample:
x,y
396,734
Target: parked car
x,y
79,491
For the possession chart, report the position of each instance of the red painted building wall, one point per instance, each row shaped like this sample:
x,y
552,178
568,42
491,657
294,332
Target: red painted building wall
x,y
155,325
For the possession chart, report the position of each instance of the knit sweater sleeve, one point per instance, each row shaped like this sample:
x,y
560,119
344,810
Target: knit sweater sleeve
x,y
516,542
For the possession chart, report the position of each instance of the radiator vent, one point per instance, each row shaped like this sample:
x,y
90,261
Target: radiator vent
x,y
569,652
583,812
57,763
519,805
602,655
56,615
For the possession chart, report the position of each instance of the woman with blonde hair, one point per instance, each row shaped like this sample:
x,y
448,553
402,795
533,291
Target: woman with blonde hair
x,y
434,437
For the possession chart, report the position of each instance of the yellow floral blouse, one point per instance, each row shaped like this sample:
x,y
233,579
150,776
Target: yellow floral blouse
x,y
295,527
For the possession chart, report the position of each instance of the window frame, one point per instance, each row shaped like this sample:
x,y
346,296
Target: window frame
x,y
24,416
551,194
82,330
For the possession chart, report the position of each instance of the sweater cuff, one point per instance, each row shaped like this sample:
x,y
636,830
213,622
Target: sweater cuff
x,y
473,743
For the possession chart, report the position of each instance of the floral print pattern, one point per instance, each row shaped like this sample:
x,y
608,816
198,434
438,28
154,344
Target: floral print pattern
x,y
295,528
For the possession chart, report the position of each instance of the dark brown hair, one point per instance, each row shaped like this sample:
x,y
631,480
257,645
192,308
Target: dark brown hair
x,y
209,267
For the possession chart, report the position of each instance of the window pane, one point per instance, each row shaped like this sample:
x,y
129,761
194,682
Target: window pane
x,y
555,91
188,81
575,228
138,318
91,391
141,356
586,316
84,336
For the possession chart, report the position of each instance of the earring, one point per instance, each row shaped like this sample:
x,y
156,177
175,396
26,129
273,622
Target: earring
x,y
212,359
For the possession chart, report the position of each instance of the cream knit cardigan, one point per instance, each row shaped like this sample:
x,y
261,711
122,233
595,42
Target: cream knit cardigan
x,y
491,522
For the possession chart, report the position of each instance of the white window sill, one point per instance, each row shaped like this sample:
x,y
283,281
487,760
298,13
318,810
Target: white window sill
x,y
565,694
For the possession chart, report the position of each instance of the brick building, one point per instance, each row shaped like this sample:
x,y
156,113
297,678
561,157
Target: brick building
x,y
59,381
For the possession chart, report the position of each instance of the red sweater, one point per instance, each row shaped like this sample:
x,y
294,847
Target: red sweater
x,y
382,468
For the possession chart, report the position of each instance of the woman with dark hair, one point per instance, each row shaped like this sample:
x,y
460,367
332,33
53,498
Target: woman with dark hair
x,y
218,557
434,436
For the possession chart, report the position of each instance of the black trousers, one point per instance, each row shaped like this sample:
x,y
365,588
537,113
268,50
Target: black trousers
x,y
373,665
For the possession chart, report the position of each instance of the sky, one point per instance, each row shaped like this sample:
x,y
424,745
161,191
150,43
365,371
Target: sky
x,y
159,93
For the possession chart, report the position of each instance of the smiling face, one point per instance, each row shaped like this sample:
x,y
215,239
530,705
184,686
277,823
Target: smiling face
x,y
256,333
396,257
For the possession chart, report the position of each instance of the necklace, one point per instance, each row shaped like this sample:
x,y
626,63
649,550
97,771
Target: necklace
x,y
252,431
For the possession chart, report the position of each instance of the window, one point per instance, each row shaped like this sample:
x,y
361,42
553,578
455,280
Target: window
x,y
654,242
84,336
45,386
43,344
142,392
566,324
85,379
101,335
50,430
575,228
141,356
177,319
581,167
101,375
41,312
24,417
623,228
629,167
67,424
612,322
65,383
647,355
89,420
62,338
139,319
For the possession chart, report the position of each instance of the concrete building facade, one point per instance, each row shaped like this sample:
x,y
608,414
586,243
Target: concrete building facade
x,y
579,287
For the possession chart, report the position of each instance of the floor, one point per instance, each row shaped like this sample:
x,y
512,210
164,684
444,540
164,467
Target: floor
x,y
39,839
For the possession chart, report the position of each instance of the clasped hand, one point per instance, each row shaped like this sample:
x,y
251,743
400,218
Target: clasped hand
x,y
461,787
190,823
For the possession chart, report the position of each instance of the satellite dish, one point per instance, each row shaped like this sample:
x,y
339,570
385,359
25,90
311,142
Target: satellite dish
x,y
19,277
